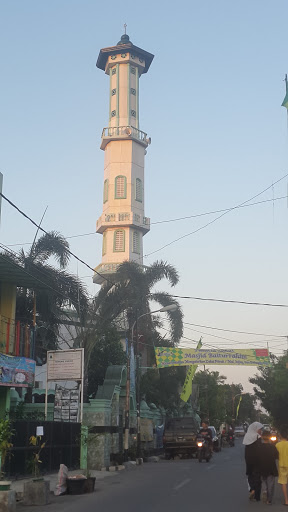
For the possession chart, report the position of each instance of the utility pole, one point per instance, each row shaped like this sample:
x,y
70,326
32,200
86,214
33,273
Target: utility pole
x,y
128,377
138,398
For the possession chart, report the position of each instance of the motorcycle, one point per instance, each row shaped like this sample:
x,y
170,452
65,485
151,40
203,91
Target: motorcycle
x,y
231,440
273,438
203,449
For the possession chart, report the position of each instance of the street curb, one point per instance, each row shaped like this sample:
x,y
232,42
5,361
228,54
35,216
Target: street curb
x,y
113,468
155,458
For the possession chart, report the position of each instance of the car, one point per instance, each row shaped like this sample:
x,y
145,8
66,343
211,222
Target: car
x,y
216,440
239,431
266,427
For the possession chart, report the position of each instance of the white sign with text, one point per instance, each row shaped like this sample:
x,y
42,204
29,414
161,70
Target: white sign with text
x,y
65,364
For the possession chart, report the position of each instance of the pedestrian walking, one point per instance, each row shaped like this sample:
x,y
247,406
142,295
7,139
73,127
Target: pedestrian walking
x,y
282,448
252,443
268,455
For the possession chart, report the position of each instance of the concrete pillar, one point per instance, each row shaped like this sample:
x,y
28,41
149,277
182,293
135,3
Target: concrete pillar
x,y
84,447
7,501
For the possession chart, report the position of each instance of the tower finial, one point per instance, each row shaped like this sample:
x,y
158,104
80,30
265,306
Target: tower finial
x,y
125,26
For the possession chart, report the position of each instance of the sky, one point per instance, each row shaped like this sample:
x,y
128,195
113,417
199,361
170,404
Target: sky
x,y
211,102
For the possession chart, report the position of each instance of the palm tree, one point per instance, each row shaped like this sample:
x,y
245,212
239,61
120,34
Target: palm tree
x,y
58,289
132,294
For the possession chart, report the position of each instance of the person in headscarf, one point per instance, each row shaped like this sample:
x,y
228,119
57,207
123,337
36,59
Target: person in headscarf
x,y
252,443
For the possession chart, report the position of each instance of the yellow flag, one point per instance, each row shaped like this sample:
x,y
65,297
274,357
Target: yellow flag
x,y
187,387
237,411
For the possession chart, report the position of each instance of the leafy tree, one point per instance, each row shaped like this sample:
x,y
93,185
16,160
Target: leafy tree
x,y
271,386
132,294
107,350
163,386
218,400
210,404
57,289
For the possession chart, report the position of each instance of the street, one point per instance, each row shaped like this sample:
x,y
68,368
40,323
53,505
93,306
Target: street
x,y
170,486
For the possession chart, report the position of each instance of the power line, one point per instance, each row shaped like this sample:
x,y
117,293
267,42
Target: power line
x,y
44,231
218,211
235,342
71,236
232,301
41,270
214,220
239,332
219,337
34,277
170,220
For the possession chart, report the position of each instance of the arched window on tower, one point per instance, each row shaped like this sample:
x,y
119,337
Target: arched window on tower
x,y
104,243
119,240
105,191
120,187
136,242
139,190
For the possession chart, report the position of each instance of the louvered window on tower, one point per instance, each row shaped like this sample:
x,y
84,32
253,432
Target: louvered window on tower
x,y
105,191
136,242
120,187
139,190
119,240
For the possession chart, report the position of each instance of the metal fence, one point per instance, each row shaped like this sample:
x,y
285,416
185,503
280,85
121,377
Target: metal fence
x,y
62,447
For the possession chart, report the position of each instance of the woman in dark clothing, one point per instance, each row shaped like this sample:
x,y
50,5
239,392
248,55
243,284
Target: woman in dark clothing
x,y
252,442
268,468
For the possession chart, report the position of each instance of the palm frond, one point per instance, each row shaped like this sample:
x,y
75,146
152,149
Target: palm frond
x,y
159,270
50,244
175,317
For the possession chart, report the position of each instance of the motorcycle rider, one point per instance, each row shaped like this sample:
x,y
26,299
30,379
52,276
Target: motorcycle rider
x,y
206,433
230,435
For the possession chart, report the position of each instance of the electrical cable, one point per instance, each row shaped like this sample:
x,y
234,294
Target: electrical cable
x,y
168,220
239,332
214,220
34,278
42,271
222,338
232,301
218,211
44,231
251,344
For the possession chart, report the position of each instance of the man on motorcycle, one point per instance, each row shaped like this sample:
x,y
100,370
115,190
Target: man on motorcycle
x,y
207,433
231,436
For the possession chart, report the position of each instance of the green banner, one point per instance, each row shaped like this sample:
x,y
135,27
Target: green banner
x,y
166,357
187,387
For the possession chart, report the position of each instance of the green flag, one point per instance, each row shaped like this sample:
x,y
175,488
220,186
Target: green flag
x,y
187,387
285,101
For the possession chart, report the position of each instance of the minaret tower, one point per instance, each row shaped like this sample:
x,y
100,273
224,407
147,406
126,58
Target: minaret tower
x,y
123,223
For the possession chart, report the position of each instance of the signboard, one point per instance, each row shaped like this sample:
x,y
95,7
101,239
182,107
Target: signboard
x,y
166,357
66,405
65,364
16,371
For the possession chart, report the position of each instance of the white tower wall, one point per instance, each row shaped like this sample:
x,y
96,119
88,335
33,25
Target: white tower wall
x,y
123,223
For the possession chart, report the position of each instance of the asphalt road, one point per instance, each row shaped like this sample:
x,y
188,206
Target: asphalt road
x,y
171,486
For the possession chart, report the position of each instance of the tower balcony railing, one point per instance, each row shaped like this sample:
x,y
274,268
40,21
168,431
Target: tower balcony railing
x,y
127,132
122,218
